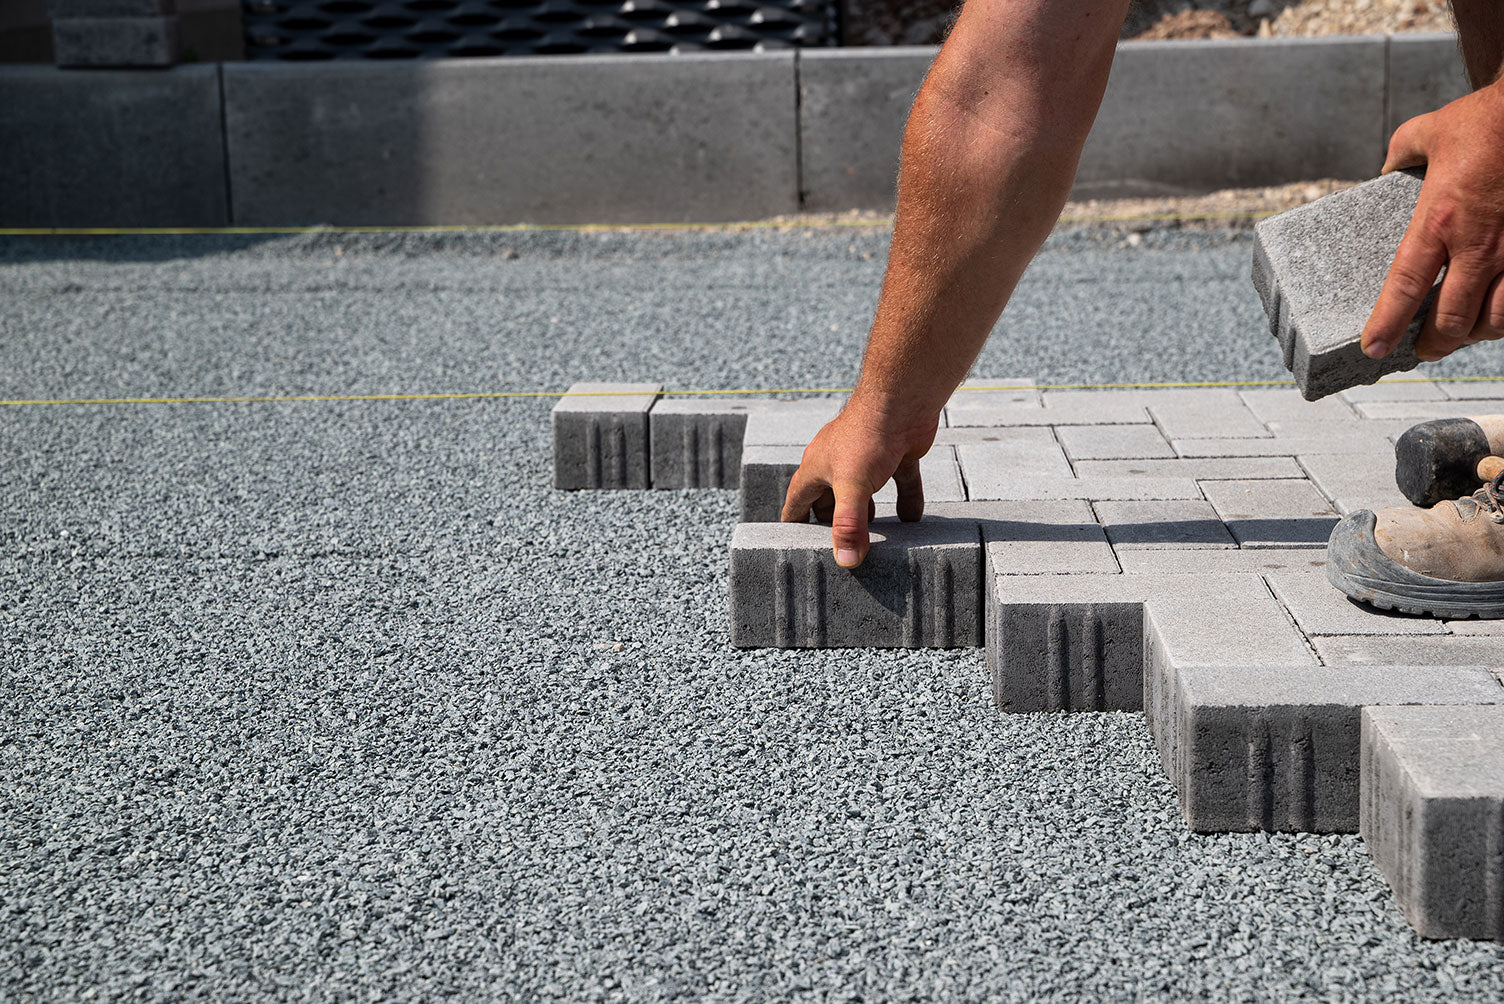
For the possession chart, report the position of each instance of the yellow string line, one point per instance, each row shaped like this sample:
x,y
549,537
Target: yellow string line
x,y
512,228
509,394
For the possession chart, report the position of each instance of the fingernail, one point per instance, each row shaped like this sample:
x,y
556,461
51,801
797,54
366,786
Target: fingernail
x,y
1376,350
846,557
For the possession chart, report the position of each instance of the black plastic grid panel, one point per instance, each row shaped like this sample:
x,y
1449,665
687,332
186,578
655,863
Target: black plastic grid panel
x,y
416,29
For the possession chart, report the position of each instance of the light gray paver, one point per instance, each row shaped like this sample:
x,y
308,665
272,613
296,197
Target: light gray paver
x,y
601,436
1432,814
1278,748
918,587
1353,439
765,476
995,485
1179,560
1408,650
941,476
956,436
979,397
1272,513
789,423
1199,468
1113,442
992,469
1477,627
1473,390
1395,387
1284,404
697,443
1319,268
1183,523
1040,538
1206,413
1060,408
1353,485
1319,609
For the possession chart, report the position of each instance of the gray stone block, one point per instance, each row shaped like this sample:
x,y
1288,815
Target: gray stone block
x,y
1319,269
1432,814
789,423
997,485
1040,538
1113,442
990,469
765,476
1205,413
1198,468
1320,608
853,104
1490,389
111,148
1181,561
115,41
1395,387
1419,411
1064,643
1346,437
978,398
697,443
1272,513
919,587
1060,408
1178,116
1351,484
1277,748
1407,650
1279,404
941,475
1184,523
1425,72
958,436
601,435
545,139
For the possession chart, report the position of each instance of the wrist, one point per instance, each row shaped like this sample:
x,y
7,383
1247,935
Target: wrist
x,y
894,411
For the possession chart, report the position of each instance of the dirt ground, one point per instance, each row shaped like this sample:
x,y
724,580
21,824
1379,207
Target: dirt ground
x,y
921,22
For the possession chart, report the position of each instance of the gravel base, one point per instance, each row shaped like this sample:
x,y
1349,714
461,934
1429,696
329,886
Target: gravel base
x,y
342,701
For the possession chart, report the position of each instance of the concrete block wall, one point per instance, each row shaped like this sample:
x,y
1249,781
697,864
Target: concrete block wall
x,y
664,139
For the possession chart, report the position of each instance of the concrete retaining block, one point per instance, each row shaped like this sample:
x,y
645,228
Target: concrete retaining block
x,y
919,587
1432,814
853,106
697,443
1277,748
1319,269
111,148
1234,113
114,41
1425,72
538,139
601,435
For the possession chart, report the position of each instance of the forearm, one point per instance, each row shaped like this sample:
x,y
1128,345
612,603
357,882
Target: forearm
x,y
989,155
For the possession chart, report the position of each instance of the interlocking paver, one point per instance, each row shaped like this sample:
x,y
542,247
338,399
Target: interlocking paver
x,y
941,476
1319,609
1113,442
1319,268
1272,513
961,435
1176,560
1277,748
996,485
1093,408
1412,650
697,443
1199,468
1351,486
1179,523
1219,413
1352,439
1475,390
789,423
978,398
1421,411
1040,538
989,469
765,475
918,588
1276,404
600,433
1433,814
1396,387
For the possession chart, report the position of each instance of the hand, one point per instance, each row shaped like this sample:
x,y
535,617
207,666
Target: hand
x,y
847,463
1458,223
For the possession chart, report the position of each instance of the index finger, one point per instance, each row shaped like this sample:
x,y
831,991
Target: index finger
x,y
1416,263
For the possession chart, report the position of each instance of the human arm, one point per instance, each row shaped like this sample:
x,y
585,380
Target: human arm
x,y
1459,217
988,158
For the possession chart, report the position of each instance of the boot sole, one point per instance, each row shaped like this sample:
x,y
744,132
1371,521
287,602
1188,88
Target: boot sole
x,y
1355,565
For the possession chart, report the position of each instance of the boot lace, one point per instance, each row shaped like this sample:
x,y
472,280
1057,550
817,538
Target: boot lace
x,y
1487,498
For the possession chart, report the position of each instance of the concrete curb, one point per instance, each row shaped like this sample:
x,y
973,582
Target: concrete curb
x,y
662,139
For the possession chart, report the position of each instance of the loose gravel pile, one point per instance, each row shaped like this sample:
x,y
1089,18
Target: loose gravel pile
x,y
340,700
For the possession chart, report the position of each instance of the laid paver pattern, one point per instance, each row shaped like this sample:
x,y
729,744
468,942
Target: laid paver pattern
x,y
1107,555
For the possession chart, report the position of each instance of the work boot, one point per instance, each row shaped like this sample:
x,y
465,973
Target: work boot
x,y
1447,560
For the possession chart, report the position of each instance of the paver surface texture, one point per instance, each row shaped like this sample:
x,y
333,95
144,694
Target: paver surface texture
x,y
344,699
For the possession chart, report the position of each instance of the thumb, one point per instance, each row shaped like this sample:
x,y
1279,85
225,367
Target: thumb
x,y
1407,147
848,526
